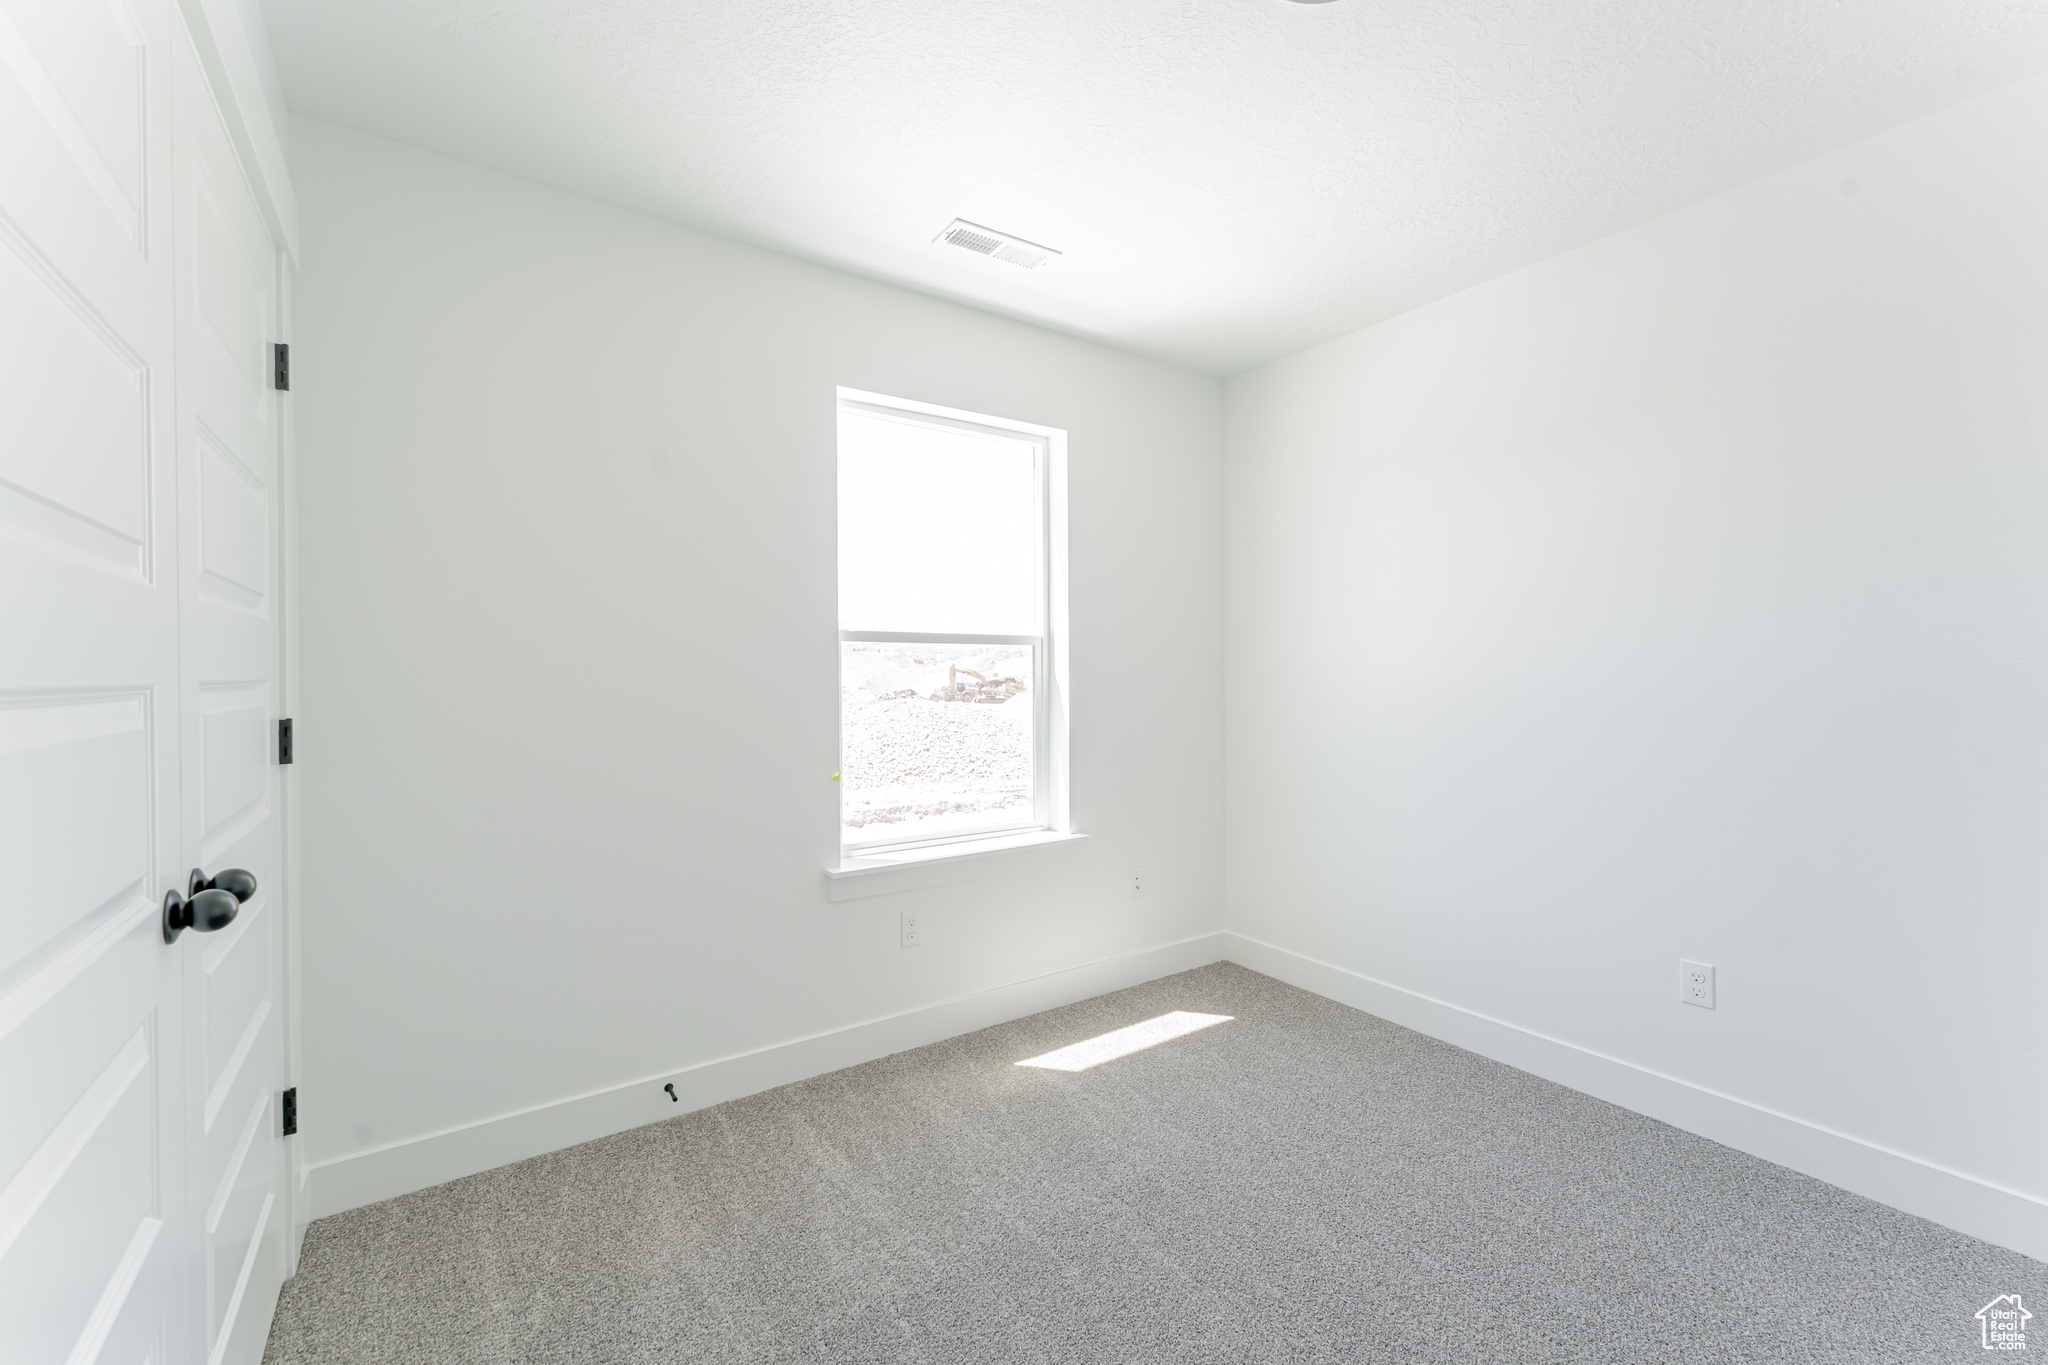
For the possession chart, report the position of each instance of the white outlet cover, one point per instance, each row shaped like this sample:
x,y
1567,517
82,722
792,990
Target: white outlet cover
x,y
1696,983
913,929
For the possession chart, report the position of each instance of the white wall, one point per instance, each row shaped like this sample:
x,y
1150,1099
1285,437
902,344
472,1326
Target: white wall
x,y
570,669
1684,595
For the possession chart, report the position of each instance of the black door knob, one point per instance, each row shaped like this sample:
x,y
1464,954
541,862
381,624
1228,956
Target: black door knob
x,y
237,883
213,905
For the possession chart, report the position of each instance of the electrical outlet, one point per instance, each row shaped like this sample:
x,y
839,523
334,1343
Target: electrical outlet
x,y
1137,881
913,929
1696,983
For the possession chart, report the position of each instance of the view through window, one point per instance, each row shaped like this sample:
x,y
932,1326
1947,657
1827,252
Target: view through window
x,y
943,611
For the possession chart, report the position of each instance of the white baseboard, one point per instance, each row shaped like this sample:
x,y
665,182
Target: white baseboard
x,y
400,1168
2005,1217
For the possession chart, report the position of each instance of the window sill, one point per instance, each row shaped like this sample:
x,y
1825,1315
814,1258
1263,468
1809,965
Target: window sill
x,y
878,874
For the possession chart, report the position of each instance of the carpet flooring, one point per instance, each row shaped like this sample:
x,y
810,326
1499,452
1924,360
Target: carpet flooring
x,y
1303,1183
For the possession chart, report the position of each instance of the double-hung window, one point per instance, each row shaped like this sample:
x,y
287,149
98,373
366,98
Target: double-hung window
x,y
951,612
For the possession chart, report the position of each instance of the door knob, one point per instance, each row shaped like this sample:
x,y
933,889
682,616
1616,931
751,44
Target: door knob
x,y
237,883
213,904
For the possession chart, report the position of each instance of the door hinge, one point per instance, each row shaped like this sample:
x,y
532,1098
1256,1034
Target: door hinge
x,y
281,367
291,1111
284,741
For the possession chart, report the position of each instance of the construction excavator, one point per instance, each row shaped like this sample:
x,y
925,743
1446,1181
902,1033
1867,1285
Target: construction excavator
x,y
982,689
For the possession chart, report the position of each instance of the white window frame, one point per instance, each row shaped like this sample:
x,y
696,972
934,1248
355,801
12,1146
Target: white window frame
x,y
1049,686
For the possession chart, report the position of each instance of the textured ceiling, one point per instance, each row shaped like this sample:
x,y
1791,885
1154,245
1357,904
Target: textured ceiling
x,y
1231,180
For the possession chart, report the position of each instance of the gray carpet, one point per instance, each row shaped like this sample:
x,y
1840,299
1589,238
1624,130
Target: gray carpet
x,y
1306,1183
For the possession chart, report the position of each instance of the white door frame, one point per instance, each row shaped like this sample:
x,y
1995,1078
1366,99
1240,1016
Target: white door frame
x,y
238,68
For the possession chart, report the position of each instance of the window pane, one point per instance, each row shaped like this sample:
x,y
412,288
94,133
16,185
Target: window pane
x,y
938,529
936,740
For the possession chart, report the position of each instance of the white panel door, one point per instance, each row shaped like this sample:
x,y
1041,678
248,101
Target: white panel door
x,y
92,1088
228,461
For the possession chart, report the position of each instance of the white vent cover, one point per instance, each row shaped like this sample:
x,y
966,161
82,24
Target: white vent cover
x,y
989,242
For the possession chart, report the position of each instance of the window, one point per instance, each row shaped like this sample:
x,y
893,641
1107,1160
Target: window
x,y
951,611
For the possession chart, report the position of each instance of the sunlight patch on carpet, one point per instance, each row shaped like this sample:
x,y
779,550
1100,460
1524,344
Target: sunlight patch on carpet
x,y
1124,1041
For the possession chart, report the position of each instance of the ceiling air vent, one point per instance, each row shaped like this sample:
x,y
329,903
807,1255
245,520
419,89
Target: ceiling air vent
x,y
1001,245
